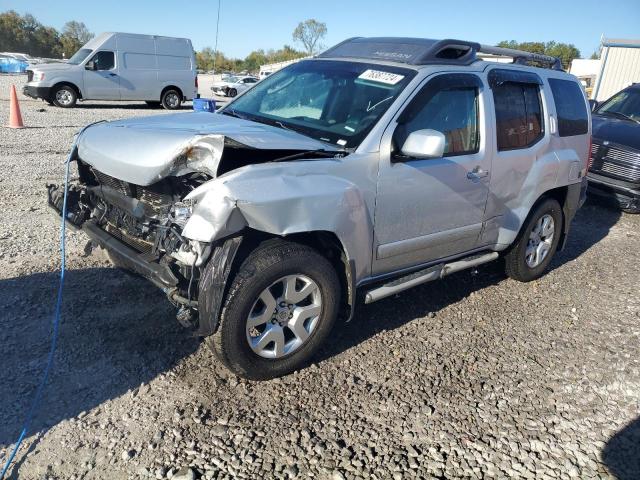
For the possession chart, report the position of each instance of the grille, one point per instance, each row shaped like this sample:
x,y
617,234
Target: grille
x,y
156,201
29,75
134,242
109,181
615,161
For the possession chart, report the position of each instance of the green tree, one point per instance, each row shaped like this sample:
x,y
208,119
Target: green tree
x,y
74,35
24,34
309,33
566,52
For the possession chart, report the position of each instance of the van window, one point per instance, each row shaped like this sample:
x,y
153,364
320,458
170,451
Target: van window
x,y
573,118
139,61
169,62
104,60
451,111
518,115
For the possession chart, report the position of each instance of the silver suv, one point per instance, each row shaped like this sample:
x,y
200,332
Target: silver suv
x,y
379,165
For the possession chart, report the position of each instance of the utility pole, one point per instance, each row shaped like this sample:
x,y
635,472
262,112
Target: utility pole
x,y
215,53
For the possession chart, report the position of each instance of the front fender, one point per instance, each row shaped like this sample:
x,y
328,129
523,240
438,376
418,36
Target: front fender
x,y
281,202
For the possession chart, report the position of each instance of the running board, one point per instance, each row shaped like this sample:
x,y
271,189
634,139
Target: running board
x,y
427,275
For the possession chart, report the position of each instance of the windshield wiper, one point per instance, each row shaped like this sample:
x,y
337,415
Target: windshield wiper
x,y
232,113
620,115
320,153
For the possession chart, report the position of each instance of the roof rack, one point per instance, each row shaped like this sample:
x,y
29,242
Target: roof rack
x,y
424,51
522,58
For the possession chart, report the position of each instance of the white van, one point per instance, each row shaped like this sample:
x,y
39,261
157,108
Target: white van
x,y
120,66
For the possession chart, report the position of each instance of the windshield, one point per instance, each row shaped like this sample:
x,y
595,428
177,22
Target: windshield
x,y
625,104
79,56
332,101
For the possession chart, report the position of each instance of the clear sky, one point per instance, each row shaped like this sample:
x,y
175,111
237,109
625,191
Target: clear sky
x,y
246,25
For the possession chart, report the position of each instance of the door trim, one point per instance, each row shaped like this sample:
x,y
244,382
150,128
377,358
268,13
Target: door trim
x,y
409,245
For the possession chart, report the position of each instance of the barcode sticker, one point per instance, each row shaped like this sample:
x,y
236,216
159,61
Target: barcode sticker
x,y
381,77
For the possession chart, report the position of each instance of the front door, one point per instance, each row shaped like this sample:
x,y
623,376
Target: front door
x,y
427,209
101,80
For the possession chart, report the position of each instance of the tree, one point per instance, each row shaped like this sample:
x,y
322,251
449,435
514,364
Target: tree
x,y
74,35
309,33
566,52
595,55
24,34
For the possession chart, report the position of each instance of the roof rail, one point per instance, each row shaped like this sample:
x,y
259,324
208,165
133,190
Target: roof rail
x,y
521,57
425,51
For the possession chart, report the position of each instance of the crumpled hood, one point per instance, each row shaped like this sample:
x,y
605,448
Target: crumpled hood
x,y
147,149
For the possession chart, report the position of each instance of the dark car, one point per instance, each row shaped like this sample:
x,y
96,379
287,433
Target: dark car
x,y
615,153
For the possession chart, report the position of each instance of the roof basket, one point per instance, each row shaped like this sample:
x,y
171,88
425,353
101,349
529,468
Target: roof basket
x,y
424,51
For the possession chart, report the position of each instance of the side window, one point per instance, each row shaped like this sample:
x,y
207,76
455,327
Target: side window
x,y
104,60
573,118
452,111
518,115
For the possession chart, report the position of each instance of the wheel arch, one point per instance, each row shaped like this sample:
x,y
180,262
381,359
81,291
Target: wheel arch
x,y
230,254
171,87
68,83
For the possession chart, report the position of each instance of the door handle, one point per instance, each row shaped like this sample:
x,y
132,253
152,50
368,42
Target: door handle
x,y
113,74
477,173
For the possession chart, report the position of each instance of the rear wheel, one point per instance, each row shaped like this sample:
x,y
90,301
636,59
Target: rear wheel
x,y
534,248
280,308
171,99
232,92
64,96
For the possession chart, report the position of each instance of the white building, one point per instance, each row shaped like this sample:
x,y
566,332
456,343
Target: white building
x,y
619,67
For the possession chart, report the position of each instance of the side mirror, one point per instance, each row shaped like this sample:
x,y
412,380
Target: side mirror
x,y
90,65
424,144
593,104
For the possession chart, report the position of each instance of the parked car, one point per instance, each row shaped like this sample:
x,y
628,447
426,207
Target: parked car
x,y
232,86
615,163
120,66
380,165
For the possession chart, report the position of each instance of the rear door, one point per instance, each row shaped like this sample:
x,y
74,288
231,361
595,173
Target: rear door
x,y
101,77
427,209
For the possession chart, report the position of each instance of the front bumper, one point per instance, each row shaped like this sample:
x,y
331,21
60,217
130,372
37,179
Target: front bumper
x,y
37,92
626,194
160,275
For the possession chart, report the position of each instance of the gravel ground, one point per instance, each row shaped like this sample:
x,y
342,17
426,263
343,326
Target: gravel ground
x,y
475,376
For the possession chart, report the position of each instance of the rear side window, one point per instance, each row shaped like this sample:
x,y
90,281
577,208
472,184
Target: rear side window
x,y
573,118
518,115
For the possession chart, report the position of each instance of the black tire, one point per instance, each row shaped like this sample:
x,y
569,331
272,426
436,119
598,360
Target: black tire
x,y
632,211
516,265
232,92
171,99
262,268
64,96
153,104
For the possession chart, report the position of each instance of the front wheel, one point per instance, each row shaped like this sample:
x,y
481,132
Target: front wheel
x,y
280,308
534,248
232,92
64,96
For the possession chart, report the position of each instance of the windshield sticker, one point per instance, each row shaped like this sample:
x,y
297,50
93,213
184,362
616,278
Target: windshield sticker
x,y
351,129
341,142
381,77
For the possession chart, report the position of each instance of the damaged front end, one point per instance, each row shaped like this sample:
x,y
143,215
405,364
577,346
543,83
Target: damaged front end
x,y
141,228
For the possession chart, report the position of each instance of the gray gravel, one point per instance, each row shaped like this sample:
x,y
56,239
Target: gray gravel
x,y
476,376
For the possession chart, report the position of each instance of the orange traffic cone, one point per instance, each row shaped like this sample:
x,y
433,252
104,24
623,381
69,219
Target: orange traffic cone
x,y
15,118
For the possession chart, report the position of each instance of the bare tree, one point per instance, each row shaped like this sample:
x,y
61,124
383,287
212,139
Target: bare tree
x,y
74,35
309,33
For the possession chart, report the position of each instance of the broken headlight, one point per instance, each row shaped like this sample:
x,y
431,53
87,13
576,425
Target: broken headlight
x,y
204,157
181,212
